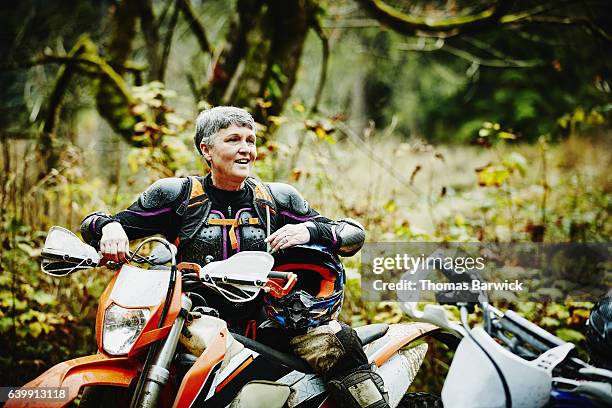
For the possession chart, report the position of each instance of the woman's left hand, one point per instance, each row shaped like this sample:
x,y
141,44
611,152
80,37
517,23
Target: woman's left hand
x,y
287,236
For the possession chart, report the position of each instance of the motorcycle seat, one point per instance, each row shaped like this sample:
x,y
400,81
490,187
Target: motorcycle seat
x,y
371,332
366,334
288,360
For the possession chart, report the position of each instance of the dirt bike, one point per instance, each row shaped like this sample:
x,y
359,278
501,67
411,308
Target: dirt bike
x,y
510,361
156,349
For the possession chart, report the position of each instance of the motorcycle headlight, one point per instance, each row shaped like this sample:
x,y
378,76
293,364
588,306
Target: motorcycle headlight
x,y
122,327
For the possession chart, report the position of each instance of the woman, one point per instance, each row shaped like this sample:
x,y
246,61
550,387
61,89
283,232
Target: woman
x,y
210,218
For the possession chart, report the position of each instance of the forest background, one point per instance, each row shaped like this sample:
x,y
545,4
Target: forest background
x,y
425,120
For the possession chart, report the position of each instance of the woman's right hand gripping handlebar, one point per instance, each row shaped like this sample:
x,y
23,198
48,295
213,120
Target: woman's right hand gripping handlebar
x,y
114,244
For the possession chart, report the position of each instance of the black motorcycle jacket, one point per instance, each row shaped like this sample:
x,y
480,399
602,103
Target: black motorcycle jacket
x,y
209,224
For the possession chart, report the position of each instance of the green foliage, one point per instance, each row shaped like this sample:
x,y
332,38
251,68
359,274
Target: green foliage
x,y
42,321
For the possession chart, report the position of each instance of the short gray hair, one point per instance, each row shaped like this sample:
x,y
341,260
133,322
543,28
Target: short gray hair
x,y
210,121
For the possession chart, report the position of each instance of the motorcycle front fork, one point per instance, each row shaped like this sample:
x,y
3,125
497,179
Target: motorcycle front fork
x,y
157,375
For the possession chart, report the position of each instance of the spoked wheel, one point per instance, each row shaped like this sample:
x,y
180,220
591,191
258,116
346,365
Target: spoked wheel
x,y
420,400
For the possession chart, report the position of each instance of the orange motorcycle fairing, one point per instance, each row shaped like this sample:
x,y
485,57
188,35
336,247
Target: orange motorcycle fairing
x,y
150,332
97,369
199,379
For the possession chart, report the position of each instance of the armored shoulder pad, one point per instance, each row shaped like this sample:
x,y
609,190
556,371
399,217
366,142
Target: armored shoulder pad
x,y
286,196
163,192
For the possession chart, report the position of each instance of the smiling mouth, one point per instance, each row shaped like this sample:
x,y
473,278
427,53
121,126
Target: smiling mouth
x,y
242,161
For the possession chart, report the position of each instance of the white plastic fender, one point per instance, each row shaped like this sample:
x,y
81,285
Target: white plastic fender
x,y
399,371
472,380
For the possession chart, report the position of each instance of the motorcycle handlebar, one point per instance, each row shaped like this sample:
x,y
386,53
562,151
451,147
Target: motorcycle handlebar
x,y
279,275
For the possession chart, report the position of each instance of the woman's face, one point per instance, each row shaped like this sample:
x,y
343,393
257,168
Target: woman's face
x,y
232,154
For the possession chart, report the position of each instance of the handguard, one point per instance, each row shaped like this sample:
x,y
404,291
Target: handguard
x,y
278,284
190,275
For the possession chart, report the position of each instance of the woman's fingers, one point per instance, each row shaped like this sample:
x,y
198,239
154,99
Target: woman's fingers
x,y
106,247
288,236
122,251
290,242
115,250
114,244
276,236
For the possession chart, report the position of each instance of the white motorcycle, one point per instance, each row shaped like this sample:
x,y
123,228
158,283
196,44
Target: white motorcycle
x,y
511,362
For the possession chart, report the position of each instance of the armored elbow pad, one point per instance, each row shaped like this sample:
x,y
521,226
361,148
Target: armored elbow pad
x,y
351,235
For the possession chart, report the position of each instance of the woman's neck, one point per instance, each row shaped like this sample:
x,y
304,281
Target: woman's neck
x,y
227,185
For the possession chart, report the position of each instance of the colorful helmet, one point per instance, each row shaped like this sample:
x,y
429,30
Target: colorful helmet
x,y
317,295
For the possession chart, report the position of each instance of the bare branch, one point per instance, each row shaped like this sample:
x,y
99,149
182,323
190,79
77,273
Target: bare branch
x,y
422,45
351,23
168,40
151,36
577,21
538,10
324,65
65,59
358,141
196,26
18,135
501,60
506,62
162,16
84,62
410,25
195,90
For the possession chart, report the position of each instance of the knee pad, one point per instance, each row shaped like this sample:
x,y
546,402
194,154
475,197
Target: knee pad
x,y
320,347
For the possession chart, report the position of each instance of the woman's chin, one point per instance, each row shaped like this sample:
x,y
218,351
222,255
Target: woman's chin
x,y
239,176
242,172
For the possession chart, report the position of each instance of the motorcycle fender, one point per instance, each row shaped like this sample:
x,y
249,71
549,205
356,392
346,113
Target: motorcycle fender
x,y
397,367
74,374
399,371
398,336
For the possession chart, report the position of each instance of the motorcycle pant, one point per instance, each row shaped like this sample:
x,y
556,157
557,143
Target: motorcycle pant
x,y
334,351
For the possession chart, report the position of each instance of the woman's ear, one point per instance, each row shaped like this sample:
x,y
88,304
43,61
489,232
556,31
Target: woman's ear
x,y
205,151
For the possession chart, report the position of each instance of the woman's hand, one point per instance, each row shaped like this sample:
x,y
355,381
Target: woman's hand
x,y
114,244
287,236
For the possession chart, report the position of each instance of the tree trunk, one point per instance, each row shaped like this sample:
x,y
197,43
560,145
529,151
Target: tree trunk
x,y
111,104
292,20
258,68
